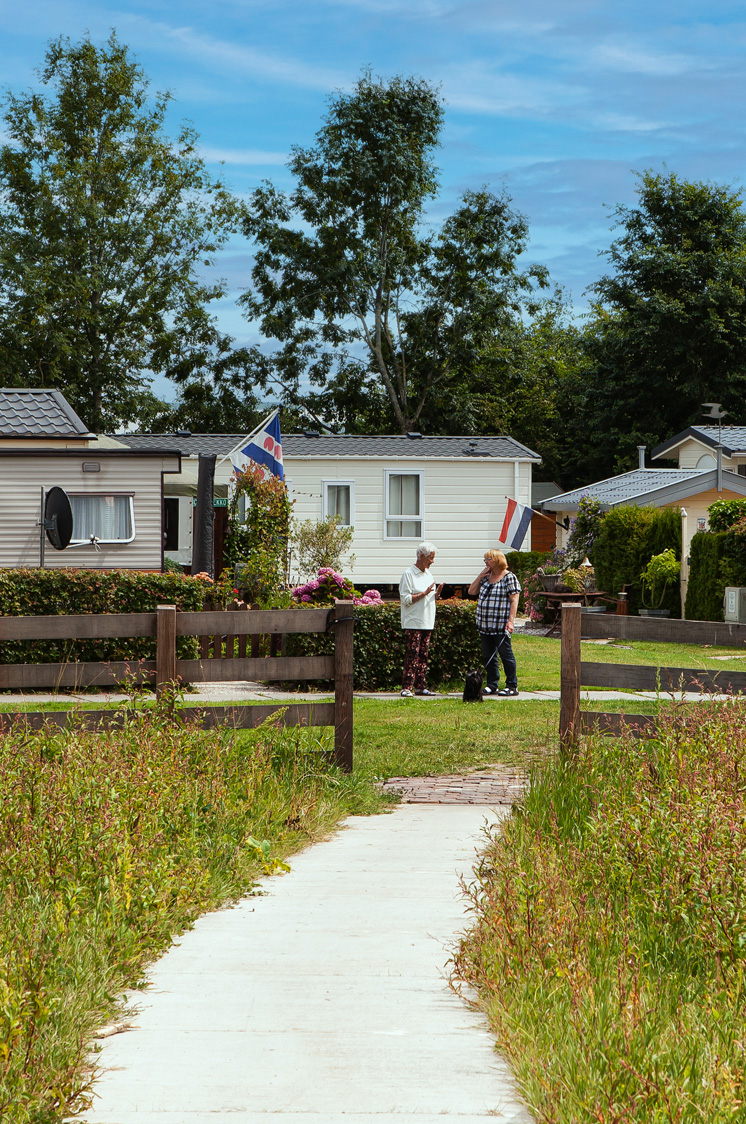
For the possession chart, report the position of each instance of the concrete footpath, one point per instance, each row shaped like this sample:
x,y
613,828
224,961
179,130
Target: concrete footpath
x,y
324,999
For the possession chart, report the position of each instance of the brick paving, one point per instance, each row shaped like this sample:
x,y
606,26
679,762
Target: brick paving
x,y
489,786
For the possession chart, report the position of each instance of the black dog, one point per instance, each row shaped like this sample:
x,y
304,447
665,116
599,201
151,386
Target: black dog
x,y
473,686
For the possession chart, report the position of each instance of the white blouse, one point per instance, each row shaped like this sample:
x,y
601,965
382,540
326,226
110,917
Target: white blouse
x,y
419,613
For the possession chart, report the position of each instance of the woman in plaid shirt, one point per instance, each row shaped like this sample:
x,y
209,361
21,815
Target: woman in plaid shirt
x,y
497,591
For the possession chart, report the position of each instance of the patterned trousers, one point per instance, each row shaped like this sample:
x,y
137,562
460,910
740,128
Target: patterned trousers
x,y
417,641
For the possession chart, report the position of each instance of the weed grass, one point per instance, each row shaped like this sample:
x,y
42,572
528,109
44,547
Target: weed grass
x,y
110,844
610,943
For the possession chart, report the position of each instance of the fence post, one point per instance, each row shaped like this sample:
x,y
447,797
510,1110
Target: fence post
x,y
165,648
569,725
343,648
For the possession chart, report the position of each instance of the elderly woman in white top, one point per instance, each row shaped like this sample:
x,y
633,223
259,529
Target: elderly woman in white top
x,y
417,593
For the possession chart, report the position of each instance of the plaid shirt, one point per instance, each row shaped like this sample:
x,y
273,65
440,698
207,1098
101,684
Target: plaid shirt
x,y
493,602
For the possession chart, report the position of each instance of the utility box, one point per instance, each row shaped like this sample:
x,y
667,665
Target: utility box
x,y
734,603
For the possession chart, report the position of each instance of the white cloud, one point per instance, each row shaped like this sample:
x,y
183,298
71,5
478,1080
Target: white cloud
x,y
253,63
243,156
633,59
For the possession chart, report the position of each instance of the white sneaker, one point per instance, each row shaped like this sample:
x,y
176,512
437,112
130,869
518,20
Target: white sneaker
x,y
407,694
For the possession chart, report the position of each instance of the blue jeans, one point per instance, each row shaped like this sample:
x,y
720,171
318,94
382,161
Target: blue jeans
x,y
496,644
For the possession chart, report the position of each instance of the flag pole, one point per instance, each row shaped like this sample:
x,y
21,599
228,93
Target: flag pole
x,y
245,440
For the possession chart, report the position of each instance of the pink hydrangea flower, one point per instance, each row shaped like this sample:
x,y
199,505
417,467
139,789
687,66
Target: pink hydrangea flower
x,y
305,597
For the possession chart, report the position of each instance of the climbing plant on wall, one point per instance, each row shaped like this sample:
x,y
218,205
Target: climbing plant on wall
x,y
259,515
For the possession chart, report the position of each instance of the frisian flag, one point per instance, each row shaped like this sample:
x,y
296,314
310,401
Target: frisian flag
x,y
263,446
517,520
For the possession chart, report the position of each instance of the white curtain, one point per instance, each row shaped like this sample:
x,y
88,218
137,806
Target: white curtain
x,y
109,518
338,502
404,499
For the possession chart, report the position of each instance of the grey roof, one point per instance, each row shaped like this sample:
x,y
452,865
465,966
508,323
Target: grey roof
x,y
333,445
30,412
630,487
543,490
732,438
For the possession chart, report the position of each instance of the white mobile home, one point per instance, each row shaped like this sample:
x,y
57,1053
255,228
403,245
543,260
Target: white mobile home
x,y
116,493
394,490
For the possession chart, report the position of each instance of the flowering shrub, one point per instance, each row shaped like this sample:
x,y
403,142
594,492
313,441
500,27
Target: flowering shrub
x,y
324,589
535,603
370,597
259,540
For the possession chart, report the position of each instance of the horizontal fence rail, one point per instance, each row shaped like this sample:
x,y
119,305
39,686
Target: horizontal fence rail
x,y
667,679
577,673
221,633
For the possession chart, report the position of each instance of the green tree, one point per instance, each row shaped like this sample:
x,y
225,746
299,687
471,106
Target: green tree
x,y
370,306
106,227
668,330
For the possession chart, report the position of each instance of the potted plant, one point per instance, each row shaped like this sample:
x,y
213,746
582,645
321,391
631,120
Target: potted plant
x,y
661,571
550,572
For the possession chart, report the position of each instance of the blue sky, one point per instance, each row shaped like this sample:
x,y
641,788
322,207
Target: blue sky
x,y
558,102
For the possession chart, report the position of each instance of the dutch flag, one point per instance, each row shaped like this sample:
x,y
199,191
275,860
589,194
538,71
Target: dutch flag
x,y
517,519
263,446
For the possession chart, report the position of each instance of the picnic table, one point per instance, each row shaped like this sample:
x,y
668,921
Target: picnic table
x,y
555,601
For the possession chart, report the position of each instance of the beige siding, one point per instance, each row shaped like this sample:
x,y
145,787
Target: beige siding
x,y
464,508
691,452
21,481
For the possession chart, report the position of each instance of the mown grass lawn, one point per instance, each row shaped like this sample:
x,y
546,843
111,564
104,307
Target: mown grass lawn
x,y
538,658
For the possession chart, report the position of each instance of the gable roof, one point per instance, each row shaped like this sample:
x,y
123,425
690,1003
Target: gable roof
x,y
657,486
303,446
732,438
33,412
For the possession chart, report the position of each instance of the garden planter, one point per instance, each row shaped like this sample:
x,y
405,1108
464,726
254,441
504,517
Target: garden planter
x,y
549,582
593,608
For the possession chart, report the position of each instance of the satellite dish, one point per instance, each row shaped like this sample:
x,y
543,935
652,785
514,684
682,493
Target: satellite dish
x,y
58,518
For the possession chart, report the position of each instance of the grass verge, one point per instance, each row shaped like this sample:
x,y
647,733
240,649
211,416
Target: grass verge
x,y
610,942
112,844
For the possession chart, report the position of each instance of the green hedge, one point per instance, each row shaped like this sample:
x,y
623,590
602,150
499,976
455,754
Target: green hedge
x,y
524,563
34,592
628,539
715,560
379,645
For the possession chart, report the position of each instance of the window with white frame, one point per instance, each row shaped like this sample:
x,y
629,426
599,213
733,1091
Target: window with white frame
x,y
339,500
108,518
403,518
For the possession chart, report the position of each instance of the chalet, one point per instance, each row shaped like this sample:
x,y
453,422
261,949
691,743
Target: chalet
x,y
116,493
393,490
702,479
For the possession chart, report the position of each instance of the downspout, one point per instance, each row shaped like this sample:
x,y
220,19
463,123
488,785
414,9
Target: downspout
x,y
684,573
720,468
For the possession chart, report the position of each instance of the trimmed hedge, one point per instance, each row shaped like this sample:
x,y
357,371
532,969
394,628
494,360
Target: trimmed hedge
x,y
628,539
715,561
379,645
34,592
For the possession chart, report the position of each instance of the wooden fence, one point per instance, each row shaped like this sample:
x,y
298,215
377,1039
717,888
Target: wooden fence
x,y
225,638
577,673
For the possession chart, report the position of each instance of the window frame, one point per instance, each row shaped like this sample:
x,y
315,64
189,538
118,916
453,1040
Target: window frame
x,y
325,484
388,517
103,495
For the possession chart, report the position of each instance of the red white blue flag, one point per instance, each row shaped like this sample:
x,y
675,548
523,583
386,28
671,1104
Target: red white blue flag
x,y
263,446
517,520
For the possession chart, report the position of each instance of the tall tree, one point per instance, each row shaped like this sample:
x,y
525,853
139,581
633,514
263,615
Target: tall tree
x,y
668,329
368,305
106,227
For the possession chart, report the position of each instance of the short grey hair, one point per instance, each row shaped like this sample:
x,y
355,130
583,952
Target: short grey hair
x,y
425,548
